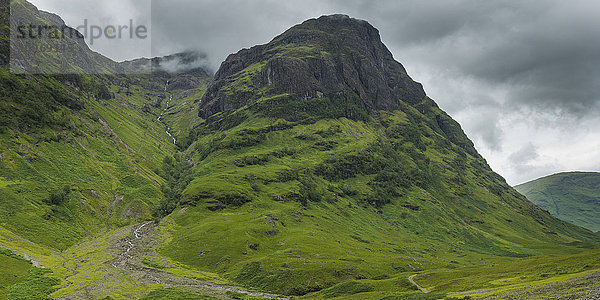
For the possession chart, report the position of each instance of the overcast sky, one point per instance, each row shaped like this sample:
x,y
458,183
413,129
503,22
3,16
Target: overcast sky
x,y
522,76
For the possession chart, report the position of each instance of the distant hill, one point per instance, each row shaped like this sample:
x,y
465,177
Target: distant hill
x,y
573,197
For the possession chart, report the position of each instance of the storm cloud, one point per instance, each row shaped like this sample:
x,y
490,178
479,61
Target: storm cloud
x,y
522,77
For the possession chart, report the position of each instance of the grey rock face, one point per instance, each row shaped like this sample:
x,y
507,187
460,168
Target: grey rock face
x,y
329,55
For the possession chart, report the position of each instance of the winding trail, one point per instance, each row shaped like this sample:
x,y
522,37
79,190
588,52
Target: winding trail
x,y
412,280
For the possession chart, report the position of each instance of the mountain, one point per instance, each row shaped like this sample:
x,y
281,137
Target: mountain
x,y
312,165
335,58
35,49
319,57
572,197
319,156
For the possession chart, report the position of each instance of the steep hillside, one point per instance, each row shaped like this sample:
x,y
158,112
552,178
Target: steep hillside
x,y
81,153
319,57
572,197
71,162
321,161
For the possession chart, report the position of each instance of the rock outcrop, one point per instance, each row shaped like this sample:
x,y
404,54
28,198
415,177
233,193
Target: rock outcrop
x,y
329,55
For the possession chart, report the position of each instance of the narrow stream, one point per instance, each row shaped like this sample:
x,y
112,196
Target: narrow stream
x,y
164,112
125,256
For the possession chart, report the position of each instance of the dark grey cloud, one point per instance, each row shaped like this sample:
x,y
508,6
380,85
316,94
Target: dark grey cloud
x,y
546,51
518,75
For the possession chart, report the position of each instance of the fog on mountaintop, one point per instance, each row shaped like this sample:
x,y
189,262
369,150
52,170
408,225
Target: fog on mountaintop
x,y
185,61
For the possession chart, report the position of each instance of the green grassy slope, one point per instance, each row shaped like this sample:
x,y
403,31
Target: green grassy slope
x,y
544,276
96,157
81,155
70,173
181,116
573,197
15,270
20,280
275,216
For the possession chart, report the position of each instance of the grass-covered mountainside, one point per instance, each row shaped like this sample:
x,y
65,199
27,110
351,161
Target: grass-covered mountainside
x,y
81,154
573,197
321,161
312,166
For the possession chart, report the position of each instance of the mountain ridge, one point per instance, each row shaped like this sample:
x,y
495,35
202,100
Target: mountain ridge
x,y
44,52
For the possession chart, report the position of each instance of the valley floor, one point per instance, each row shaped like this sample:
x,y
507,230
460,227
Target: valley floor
x,y
575,286
123,264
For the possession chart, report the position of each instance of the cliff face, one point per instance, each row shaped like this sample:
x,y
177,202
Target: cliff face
x,y
329,55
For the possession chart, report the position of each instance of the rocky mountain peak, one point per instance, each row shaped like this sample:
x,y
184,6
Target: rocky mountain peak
x,y
329,55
